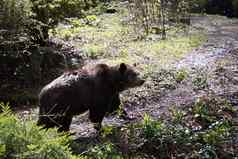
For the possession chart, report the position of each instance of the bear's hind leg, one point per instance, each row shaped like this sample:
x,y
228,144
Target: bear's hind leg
x,y
47,122
65,123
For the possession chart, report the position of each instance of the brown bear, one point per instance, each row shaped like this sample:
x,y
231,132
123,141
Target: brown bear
x,y
95,89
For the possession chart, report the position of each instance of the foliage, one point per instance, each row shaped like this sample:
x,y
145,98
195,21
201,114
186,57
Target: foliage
x,y
24,68
94,51
156,16
14,14
182,138
112,39
151,128
204,130
200,81
181,75
47,14
23,139
104,151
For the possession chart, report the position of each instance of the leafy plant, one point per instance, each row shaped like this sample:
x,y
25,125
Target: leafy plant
x,y
151,128
14,14
94,51
177,115
200,81
104,151
181,75
23,139
176,136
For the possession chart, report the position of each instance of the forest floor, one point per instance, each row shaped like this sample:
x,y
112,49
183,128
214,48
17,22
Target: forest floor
x,y
209,70
203,62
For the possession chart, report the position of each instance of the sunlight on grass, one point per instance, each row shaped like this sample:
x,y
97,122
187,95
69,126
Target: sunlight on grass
x,y
93,50
163,52
105,37
175,47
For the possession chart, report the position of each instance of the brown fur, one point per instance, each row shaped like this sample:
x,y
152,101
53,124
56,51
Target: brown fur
x,y
95,89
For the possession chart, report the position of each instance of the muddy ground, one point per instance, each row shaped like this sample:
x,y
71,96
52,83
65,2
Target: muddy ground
x,y
211,69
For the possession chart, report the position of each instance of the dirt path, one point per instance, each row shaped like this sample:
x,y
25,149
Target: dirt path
x,y
222,38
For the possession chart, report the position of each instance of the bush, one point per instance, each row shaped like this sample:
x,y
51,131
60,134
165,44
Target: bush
x,y
14,14
48,13
25,140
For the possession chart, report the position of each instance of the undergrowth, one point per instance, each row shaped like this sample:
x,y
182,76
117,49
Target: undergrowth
x,y
205,130
24,140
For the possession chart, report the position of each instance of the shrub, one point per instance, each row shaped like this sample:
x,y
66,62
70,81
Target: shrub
x,y
14,14
48,13
25,140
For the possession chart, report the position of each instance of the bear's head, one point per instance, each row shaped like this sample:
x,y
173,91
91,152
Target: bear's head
x,y
128,77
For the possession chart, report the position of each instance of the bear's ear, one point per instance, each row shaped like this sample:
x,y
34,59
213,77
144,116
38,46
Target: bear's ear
x,y
122,68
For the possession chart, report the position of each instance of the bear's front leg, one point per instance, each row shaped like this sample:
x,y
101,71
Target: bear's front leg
x,y
96,117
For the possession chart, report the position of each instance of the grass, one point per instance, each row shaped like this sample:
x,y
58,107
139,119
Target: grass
x,y
109,38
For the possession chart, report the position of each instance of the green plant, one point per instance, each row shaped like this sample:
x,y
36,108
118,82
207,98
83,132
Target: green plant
x,y
104,151
200,81
176,137
177,115
181,75
14,14
217,133
76,23
151,128
90,19
203,111
106,130
94,51
48,13
25,140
